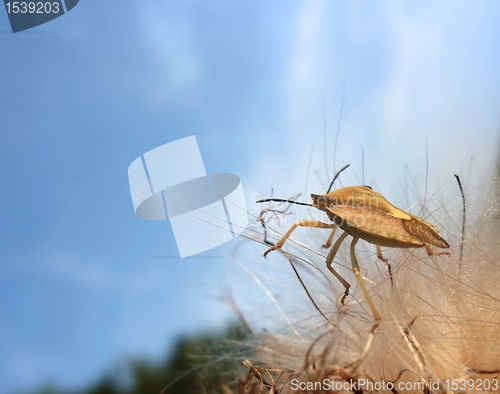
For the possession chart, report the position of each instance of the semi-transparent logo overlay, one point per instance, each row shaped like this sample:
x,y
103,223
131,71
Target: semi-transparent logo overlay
x,y
204,211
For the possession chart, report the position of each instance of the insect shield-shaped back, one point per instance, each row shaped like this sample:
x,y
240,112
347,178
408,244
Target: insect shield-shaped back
x,y
366,214
355,200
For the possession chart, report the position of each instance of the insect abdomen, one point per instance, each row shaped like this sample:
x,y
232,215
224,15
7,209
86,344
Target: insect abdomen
x,y
374,226
425,231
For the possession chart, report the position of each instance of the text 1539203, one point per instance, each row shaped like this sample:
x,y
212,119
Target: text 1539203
x,y
32,7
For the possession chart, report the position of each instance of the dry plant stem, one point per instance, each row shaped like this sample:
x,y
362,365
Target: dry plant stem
x,y
413,343
238,312
266,241
338,130
485,371
305,287
307,361
250,386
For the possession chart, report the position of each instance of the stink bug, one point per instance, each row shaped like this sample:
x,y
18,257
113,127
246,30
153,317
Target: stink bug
x,y
366,214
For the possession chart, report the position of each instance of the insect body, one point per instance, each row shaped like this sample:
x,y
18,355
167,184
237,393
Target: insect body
x,y
365,214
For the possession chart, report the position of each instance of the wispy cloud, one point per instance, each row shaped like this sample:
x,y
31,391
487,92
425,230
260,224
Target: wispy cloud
x,y
178,69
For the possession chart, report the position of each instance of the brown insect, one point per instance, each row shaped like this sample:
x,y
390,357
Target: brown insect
x,y
365,214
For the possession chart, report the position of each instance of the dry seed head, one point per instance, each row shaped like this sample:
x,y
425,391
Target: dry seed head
x,y
439,322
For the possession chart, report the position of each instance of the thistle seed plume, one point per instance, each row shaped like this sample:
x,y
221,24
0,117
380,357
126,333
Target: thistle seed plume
x,y
440,329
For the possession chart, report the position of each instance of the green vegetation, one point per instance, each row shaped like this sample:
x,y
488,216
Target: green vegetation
x,y
197,365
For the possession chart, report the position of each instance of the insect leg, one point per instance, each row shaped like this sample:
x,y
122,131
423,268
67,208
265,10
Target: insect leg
x,y
374,310
355,267
302,223
382,258
380,255
430,252
329,261
328,243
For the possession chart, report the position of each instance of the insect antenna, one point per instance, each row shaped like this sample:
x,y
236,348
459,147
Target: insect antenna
x,y
463,221
282,200
336,176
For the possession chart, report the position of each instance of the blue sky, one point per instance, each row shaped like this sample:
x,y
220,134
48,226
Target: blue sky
x,y
84,95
